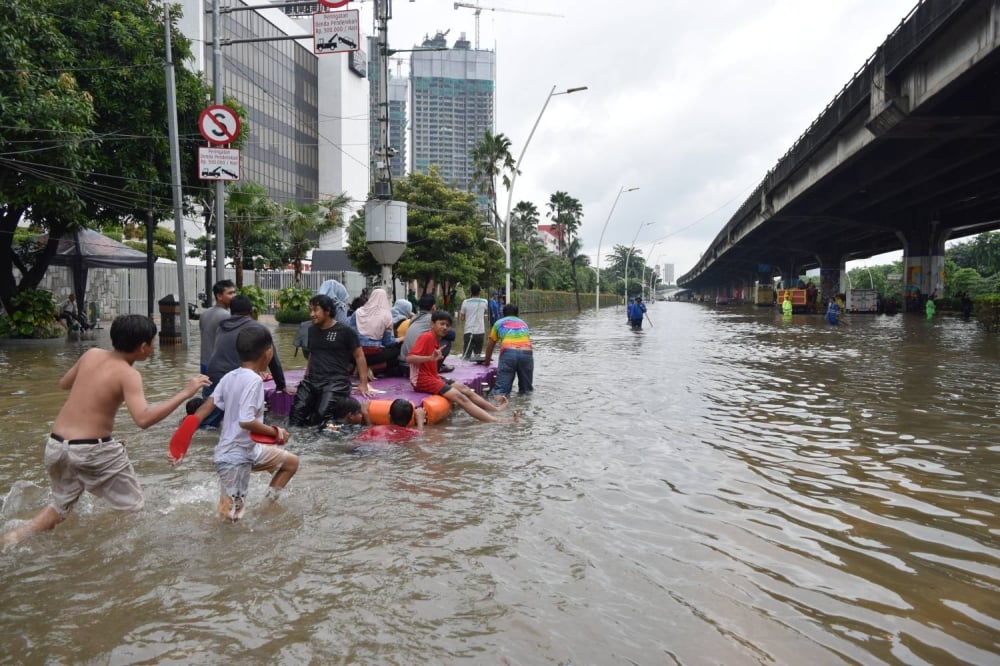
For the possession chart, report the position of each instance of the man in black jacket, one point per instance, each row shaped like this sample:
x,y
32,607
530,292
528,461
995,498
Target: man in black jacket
x,y
224,355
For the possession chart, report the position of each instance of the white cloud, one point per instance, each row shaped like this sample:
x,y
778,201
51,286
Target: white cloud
x,y
691,101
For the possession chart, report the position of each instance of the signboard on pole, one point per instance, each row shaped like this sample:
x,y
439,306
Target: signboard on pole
x,y
336,32
219,124
218,163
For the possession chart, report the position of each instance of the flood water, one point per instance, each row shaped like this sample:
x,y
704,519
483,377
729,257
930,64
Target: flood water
x,y
724,487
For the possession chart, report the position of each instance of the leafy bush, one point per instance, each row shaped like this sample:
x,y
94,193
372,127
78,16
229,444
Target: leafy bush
x,y
256,296
291,316
293,305
33,315
294,298
987,310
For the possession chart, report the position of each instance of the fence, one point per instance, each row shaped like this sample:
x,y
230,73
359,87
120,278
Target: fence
x,y
115,291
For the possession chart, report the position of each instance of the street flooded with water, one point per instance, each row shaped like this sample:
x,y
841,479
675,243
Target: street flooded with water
x,y
722,487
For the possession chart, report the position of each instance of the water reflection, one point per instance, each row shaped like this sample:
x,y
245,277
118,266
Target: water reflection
x,y
724,486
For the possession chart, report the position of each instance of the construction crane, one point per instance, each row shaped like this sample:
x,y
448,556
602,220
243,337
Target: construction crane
x,y
477,8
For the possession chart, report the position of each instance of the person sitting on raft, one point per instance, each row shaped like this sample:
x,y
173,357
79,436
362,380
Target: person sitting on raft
x,y
373,323
423,361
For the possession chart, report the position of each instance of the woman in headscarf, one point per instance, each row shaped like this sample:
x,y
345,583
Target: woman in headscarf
x,y
338,293
373,322
401,312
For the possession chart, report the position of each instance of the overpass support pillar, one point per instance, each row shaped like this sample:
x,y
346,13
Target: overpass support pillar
x,y
923,263
832,272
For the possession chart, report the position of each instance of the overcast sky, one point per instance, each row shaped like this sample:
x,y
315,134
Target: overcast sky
x,y
690,101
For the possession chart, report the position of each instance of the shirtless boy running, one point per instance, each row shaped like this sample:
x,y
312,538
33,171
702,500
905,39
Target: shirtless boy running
x,y
81,454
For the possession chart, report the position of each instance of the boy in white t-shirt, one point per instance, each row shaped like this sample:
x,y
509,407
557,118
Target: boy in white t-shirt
x,y
240,394
473,314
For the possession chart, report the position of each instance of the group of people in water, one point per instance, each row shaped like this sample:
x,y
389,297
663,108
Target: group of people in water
x,y
81,454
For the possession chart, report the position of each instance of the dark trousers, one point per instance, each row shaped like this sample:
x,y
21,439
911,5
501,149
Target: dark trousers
x,y
314,403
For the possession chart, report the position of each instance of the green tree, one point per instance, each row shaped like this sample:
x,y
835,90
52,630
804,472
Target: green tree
x,y
566,214
303,224
445,241
981,253
81,90
250,214
491,158
164,241
523,232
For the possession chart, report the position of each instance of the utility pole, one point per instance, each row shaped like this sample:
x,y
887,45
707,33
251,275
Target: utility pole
x,y
220,188
175,177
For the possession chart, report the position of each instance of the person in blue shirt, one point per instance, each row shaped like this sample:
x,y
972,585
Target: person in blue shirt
x,y
496,312
833,312
636,312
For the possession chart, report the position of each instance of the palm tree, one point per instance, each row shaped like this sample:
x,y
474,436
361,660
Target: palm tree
x,y
249,212
565,213
303,223
574,256
524,221
491,158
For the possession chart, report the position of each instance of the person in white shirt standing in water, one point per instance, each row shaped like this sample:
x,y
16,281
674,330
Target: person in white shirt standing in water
x,y
473,316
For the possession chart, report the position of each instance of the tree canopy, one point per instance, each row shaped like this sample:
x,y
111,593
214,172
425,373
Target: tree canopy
x,y
445,240
83,119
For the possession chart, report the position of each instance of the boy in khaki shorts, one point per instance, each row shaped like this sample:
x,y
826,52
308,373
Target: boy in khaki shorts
x,y
80,453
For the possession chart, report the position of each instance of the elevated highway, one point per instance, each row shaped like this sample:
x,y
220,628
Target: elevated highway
x,y
906,156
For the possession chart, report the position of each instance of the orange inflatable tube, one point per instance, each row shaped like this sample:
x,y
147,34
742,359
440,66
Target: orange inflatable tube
x,y
437,408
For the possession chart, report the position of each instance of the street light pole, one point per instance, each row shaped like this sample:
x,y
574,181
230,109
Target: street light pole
x,y
648,295
517,168
597,289
630,250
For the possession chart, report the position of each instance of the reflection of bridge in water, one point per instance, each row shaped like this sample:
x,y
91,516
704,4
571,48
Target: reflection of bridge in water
x,y
905,157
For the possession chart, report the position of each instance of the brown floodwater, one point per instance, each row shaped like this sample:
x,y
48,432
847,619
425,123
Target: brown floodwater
x,y
723,487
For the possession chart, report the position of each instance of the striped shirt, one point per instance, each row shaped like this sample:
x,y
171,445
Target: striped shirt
x,y
511,333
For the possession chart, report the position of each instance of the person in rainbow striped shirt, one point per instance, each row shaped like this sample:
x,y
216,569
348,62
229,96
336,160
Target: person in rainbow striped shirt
x,y
515,354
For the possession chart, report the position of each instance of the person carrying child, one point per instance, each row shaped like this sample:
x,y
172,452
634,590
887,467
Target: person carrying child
x,y
81,453
423,361
240,395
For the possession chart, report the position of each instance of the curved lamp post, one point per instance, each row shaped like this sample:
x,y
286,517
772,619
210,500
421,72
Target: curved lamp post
x,y
517,167
597,289
649,294
629,255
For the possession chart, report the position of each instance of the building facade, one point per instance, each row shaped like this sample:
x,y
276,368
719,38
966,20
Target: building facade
x,y
451,107
306,114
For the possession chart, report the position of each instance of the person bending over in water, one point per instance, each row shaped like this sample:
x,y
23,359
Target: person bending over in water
x,y
240,395
81,454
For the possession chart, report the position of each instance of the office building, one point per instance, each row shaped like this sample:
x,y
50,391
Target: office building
x,y
307,114
451,107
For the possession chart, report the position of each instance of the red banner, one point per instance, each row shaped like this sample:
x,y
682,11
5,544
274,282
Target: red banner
x,y
334,3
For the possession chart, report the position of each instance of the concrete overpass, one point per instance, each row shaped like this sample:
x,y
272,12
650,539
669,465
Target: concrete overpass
x,y
906,156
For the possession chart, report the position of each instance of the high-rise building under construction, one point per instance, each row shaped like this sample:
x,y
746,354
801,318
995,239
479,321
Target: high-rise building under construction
x,y
451,106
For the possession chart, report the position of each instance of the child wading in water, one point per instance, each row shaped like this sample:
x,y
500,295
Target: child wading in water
x,y
81,454
240,394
